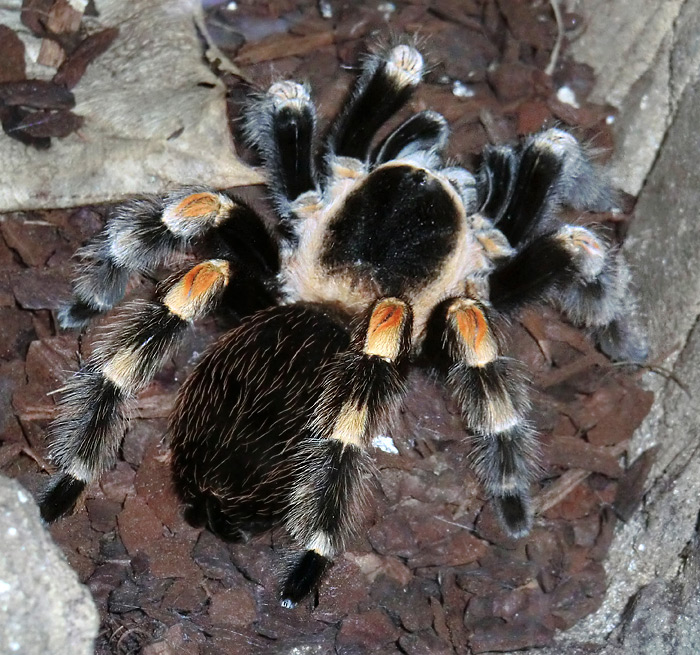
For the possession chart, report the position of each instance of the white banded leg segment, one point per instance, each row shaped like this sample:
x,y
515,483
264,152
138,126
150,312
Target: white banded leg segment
x,y
140,236
327,503
365,385
363,388
91,414
491,391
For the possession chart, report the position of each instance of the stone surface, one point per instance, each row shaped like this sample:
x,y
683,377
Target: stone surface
x,y
645,54
43,607
155,115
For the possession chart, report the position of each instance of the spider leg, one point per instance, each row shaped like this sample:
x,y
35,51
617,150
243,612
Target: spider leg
x,y
492,394
522,188
520,191
143,234
87,433
281,124
599,297
426,133
574,269
385,84
364,385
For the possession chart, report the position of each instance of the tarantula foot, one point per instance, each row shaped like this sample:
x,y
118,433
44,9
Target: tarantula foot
x,y
405,65
60,496
580,184
289,94
76,315
514,513
623,340
304,578
587,250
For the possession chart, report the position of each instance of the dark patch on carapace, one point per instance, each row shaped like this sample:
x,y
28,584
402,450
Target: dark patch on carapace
x,y
398,228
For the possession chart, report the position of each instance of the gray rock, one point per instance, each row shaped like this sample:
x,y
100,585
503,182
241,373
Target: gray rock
x,y
645,53
43,608
155,114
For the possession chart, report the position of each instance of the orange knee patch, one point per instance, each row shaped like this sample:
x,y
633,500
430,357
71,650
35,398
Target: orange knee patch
x,y
192,295
195,211
390,318
476,339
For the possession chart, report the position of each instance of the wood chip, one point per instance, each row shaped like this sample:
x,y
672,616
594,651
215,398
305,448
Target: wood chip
x,y
90,48
631,489
279,46
12,67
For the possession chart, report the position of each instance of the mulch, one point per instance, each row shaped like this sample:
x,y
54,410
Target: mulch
x,y
432,571
34,111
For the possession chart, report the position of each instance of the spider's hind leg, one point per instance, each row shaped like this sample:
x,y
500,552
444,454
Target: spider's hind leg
x,y
363,387
492,394
385,84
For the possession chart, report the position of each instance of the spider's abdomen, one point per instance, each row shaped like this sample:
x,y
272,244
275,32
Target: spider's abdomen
x,y
398,227
240,416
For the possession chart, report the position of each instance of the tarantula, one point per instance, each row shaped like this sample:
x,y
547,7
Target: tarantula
x,y
383,257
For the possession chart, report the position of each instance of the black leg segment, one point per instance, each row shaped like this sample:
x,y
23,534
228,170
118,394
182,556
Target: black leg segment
x,y
386,83
427,131
281,124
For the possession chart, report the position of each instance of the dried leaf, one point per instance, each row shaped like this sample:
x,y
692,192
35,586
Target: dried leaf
x,y
73,69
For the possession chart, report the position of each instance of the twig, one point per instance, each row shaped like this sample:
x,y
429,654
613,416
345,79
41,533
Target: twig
x,y
560,37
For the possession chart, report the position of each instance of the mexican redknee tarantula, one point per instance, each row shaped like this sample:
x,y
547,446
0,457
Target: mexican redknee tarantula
x,y
383,257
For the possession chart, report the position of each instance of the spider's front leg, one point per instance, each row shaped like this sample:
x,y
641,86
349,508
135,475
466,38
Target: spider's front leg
x,y
91,415
281,125
363,387
492,394
387,81
144,234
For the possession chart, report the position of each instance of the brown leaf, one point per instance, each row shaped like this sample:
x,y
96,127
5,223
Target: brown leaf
x,y
39,94
631,489
10,117
12,68
497,635
46,123
575,453
278,46
72,70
